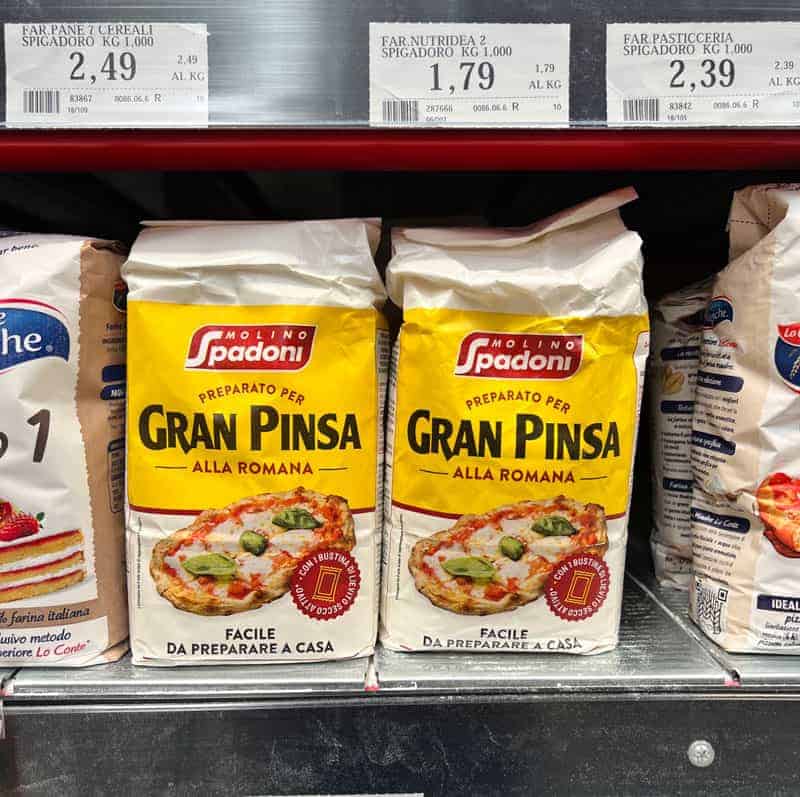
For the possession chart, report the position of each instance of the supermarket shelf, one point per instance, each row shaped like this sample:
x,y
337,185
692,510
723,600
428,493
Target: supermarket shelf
x,y
751,670
775,673
122,681
386,150
654,655
439,725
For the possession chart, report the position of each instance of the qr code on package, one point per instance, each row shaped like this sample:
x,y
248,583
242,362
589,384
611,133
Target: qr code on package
x,y
710,608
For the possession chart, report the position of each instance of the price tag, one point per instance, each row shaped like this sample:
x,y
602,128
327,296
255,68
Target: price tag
x,y
106,74
468,75
703,74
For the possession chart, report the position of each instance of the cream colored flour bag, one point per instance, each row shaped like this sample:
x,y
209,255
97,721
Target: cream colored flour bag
x,y
62,451
257,371
676,327
514,405
745,593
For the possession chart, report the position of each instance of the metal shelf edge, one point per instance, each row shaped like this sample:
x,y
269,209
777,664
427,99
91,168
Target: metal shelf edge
x,y
654,658
754,672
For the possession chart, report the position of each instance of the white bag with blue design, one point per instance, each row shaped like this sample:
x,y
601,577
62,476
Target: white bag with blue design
x,y
62,451
745,593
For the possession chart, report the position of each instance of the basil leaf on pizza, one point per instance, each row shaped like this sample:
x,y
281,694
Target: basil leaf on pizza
x,y
253,542
211,564
469,566
512,548
554,526
296,518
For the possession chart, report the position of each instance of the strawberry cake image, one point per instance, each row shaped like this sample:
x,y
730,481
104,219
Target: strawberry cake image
x,y
33,561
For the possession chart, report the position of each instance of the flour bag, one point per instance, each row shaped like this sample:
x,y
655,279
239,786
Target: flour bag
x,y
62,451
676,323
514,407
257,370
745,593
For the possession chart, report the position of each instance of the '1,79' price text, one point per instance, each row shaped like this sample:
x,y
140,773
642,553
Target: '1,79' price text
x,y
484,76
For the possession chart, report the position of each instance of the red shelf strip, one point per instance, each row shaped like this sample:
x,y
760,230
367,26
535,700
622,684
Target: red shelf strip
x,y
446,150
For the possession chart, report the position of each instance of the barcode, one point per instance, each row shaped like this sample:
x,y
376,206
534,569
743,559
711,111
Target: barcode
x,y
399,111
710,605
40,101
641,109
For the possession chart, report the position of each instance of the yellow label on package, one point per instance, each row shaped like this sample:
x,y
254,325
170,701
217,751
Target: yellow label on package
x,y
523,405
247,400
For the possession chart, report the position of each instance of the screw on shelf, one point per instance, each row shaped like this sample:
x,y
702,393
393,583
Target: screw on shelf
x,y
701,753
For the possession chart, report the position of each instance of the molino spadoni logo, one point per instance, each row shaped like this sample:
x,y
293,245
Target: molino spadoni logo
x,y
250,347
31,330
516,355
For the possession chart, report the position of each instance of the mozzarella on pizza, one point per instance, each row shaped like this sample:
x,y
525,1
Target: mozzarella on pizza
x,y
243,556
500,560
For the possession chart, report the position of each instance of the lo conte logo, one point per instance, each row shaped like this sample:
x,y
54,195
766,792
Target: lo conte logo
x,y
250,347
515,355
30,330
787,355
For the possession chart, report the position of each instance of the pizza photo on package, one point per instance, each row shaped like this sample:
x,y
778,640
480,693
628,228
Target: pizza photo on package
x,y
244,556
500,560
778,499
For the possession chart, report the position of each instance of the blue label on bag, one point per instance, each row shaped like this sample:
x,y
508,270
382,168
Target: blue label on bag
x,y
113,373
113,392
728,384
677,407
30,330
677,485
719,309
778,603
717,521
680,353
712,442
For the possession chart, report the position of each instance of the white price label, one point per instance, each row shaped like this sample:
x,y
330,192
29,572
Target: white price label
x,y
468,75
726,74
106,74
